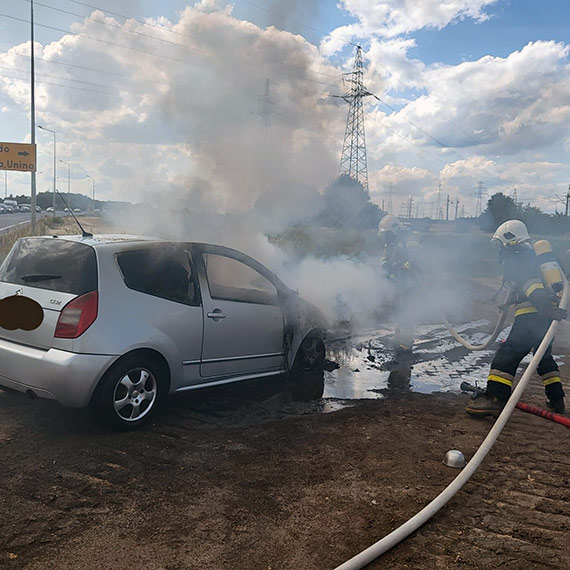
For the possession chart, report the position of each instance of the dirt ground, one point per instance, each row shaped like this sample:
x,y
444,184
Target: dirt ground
x,y
252,480
246,478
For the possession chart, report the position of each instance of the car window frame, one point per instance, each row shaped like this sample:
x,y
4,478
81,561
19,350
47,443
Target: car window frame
x,y
280,288
94,286
193,273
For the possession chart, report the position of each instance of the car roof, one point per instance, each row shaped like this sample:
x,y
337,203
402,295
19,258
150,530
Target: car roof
x,y
103,239
114,243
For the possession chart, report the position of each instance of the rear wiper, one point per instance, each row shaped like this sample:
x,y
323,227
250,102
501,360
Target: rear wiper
x,y
34,277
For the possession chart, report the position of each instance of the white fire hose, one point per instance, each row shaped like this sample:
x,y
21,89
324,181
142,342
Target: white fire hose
x,y
397,535
490,340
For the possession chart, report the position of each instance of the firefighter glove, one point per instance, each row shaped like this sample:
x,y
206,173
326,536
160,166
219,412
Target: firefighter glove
x,y
556,313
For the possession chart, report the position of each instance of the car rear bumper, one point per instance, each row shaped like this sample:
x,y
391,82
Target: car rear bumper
x,y
58,375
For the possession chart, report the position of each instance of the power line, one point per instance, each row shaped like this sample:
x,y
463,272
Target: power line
x,y
78,34
320,32
162,28
443,145
59,85
70,79
67,64
408,141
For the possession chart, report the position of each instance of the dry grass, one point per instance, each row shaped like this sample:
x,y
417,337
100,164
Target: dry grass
x,y
7,239
46,226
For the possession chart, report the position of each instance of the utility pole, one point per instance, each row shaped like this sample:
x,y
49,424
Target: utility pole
x,y
410,206
456,207
353,157
447,209
93,191
68,175
438,203
32,113
565,200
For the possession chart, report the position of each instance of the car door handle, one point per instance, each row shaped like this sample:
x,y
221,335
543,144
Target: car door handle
x,y
216,314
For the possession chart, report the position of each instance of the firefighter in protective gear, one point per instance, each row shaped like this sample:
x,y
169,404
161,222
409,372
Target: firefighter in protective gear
x,y
399,263
535,308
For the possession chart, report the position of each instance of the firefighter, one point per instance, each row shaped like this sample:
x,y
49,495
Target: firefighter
x,y
399,262
536,306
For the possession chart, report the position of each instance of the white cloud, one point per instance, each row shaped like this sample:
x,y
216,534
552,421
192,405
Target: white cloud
x,y
179,118
390,18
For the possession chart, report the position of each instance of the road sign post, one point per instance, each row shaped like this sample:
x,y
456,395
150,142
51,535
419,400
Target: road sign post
x,y
17,156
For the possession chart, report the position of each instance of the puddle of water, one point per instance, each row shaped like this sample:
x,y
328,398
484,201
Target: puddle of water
x,y
367,368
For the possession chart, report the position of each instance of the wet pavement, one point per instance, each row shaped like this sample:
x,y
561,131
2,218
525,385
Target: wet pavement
x,y
364,366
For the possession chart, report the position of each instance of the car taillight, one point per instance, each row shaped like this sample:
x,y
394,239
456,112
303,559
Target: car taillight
x,y
77,316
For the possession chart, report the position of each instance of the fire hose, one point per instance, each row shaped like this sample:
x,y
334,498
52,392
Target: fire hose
x,y
396,536
559,419
504,310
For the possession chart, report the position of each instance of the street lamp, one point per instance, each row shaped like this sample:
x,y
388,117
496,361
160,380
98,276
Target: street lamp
x,y
54,164
92,191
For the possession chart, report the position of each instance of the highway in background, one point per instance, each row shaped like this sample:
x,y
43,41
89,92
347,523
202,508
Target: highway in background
x,y
7,220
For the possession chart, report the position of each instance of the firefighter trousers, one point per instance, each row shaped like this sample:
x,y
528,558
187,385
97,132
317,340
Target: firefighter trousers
x,y
526,334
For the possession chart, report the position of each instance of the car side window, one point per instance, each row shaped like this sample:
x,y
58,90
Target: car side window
x,y
232,280
161,272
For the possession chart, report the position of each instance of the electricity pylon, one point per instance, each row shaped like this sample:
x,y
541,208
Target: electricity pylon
x,y
353,157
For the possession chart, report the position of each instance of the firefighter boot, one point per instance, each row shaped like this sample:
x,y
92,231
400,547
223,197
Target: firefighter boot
x,y
556,405
483,405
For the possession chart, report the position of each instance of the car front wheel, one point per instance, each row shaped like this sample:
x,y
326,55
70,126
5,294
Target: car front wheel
x,y
310,356
129,393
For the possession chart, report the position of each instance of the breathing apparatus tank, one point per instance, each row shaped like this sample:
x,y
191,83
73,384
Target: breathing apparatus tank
x,y
551,271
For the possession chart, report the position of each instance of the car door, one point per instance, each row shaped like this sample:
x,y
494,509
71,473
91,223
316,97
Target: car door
x,y
165,298
243,320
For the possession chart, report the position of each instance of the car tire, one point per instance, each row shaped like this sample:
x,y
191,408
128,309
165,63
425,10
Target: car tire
x,y
307,372
129,393
310,356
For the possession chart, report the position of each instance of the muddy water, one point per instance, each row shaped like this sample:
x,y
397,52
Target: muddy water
x,y
368,367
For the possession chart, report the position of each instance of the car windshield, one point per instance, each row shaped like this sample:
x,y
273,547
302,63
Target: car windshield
x,y
49,263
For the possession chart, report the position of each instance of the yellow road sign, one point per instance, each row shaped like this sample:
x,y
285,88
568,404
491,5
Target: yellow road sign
x,y
16,156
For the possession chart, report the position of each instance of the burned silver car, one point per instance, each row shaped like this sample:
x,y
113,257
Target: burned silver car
x,y
127,320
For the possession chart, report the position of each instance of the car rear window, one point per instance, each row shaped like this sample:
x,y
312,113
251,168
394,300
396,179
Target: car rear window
x,y
51,263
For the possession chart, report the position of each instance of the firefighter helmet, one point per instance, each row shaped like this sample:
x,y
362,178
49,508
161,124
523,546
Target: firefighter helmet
x,y
511,233
389,223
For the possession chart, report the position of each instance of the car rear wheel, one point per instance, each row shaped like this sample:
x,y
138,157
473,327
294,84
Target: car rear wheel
x,y
129,393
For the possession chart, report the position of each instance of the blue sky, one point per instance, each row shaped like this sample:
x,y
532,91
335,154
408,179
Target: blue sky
x,y
487,78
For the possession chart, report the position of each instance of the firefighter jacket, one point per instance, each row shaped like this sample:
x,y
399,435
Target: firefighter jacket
x,y
400,258
522,273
